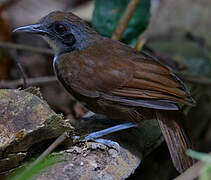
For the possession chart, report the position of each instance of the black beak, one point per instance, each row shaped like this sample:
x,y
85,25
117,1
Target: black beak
x,y
34,28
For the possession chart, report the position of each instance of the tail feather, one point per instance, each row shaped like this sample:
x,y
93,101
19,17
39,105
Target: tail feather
x,y
176,137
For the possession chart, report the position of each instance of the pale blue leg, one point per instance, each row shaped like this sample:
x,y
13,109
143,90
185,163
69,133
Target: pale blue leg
x,y
96,135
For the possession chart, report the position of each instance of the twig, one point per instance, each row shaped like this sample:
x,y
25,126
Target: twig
x,y
7,45
165,59
30,81
4,4
192,173
51,79
58,141
22,73
20,68
195,79
125,19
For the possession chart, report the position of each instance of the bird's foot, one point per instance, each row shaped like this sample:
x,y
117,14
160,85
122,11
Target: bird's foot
x,y
109,143
96,136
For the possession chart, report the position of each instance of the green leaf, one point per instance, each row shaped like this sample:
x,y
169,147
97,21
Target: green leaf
x,y
205,173
199,156
107,15
29,171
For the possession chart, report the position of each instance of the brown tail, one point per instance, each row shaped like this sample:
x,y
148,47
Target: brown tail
x,y
178,141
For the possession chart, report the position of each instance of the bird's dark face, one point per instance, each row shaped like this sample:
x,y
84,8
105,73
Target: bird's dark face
x,y
63,31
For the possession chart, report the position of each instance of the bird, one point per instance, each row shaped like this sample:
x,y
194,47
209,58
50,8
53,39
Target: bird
x,y
115,80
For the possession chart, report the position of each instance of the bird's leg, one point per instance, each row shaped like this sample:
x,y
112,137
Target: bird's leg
x,y
96,136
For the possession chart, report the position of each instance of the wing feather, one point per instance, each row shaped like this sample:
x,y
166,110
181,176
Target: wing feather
x,y
153,81
122,76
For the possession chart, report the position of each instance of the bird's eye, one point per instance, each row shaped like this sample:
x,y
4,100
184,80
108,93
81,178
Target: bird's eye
x,y
60,28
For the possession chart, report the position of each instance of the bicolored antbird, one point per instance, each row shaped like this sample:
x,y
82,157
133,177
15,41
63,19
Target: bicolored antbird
x,y
115,80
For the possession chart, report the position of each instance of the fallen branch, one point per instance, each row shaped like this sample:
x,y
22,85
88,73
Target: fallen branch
x,y
7,45
51,79
125,19
30,81
22,73
50,149
163,58
4,4
192,173
195,79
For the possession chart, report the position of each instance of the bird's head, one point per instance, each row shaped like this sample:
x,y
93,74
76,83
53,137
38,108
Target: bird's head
x,y
63,31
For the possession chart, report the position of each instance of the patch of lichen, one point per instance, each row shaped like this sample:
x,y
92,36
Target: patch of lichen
x,y
35,91
58,124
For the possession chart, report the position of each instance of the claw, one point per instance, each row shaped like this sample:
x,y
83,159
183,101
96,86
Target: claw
x,y
95,135
109,143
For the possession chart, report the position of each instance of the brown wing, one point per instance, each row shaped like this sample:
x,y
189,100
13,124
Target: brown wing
x,y
153,81
113,71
